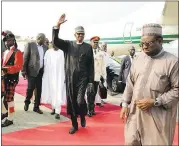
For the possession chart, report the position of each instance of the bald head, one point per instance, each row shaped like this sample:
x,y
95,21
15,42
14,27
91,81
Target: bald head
x,y
40,38
131,48
132,51
104,46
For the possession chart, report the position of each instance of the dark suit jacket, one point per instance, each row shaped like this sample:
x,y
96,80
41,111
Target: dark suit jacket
x,y
125,68
32,59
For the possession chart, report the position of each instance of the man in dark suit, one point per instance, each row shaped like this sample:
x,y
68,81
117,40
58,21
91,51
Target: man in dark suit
x,y
125,68
33,70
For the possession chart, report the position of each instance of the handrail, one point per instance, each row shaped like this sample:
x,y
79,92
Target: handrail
x,y
128,23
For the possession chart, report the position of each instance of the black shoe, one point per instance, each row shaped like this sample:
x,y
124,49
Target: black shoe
x,y
57,116
93,113
99,104
121,104
7,123
26,107
103,102
73,130
37,110
4,115
2,94
83,122
53,112
90,114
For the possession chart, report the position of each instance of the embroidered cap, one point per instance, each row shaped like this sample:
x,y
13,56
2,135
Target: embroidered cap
x,y
79,29
152,29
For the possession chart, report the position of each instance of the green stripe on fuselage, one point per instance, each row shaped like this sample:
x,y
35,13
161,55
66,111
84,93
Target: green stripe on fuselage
x,y
133,42
134,39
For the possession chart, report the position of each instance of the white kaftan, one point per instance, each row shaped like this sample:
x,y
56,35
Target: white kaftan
x,y
53,81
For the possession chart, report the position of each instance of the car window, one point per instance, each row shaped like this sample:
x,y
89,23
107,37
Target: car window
x,y
113,62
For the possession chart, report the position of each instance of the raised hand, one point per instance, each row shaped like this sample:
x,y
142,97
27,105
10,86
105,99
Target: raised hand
x,y
61,20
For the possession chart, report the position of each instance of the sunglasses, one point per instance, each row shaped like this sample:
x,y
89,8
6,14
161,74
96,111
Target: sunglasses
x,y
147,44
96,42
8,39
80,33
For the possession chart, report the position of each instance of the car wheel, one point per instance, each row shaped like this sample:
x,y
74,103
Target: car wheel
x,y
114,85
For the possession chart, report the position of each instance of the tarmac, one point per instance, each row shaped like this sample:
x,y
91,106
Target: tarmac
x,y
29,119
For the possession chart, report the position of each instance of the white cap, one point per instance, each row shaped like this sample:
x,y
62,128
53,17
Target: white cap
x,y
152,29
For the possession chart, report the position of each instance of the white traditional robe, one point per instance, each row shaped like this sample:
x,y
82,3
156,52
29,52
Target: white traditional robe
x,y
106,61
156,78
53,81
100,61
106,57
98,97
99,64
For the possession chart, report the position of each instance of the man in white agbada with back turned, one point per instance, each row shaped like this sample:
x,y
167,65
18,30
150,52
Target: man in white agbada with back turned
x,y
53,86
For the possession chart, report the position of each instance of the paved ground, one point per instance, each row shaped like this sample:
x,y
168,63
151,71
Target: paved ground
x,y
30,119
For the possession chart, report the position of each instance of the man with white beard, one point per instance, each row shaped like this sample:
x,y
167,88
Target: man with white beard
x,y
53,81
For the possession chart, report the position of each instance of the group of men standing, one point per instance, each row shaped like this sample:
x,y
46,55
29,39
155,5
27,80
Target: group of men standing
x,y
61,74
151,84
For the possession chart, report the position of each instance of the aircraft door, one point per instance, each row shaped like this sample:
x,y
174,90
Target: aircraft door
x,y
127,32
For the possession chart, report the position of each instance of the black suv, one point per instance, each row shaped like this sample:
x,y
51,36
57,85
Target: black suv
x,y
113,69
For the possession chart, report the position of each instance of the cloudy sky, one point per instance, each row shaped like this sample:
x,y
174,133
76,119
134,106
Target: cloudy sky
x,y
30,18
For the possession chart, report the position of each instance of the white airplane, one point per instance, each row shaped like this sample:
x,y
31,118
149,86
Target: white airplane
x,y
172,47
122,34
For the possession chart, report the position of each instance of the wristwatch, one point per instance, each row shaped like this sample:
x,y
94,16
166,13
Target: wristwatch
x,y
156,103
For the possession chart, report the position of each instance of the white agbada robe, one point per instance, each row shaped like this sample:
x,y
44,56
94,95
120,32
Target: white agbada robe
x,y
53,81
102,64
98,98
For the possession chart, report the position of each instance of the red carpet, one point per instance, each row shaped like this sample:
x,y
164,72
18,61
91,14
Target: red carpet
x,y
102,129
21,89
